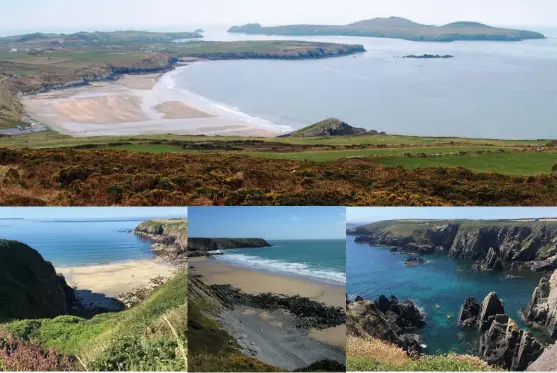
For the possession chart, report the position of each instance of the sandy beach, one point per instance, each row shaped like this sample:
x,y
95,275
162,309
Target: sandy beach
x,y
134,105
214,272
251,282
98,284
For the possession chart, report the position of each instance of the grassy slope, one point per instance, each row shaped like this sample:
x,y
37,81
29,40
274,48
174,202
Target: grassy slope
x,y
135,339
376,355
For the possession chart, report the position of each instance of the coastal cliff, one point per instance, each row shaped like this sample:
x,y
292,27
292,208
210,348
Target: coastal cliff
x,y
212,244
541,312
493,244
170,236
30,287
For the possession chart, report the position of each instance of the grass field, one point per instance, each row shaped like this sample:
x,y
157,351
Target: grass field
x,y
516,163
386,150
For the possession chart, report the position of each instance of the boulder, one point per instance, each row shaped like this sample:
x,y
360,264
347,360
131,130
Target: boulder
x,y
469,313
29,285
404,315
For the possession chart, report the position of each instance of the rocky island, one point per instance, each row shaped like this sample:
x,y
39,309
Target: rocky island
x,y
398,28
428,56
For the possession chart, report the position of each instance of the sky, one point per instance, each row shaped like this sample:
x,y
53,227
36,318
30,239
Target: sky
x,y
87,15
270,223
88,213
373,214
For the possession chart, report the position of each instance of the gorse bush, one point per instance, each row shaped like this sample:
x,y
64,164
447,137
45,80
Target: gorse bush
x,y
101,177
17,355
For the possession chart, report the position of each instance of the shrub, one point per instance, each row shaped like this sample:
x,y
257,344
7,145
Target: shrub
x,y
16,355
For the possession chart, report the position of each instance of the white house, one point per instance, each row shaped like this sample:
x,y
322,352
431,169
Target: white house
x,y
13,50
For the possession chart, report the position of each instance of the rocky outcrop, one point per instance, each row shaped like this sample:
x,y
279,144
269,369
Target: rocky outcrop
x,y
491,306
541,312
29,285
502,343
387,319
213,244
330,127
469,313
169,235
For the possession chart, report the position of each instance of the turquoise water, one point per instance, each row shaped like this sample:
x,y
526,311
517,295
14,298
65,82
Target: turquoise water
x,y
315,260
443,281
490,89
79,242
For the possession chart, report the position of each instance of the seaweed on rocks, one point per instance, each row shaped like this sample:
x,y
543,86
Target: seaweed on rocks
x,y
310,313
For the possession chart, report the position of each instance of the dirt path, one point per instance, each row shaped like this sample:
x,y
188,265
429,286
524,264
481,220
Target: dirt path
x,y
547,362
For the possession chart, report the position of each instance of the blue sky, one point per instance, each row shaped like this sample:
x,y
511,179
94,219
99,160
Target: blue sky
x,y
270,223
372,214
76,213
76,15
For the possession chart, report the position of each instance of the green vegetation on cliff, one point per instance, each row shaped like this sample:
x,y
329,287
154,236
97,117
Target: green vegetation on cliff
x,y
148,337
175,229
399,28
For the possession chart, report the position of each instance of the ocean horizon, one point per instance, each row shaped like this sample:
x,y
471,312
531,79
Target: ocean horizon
x,y
80,242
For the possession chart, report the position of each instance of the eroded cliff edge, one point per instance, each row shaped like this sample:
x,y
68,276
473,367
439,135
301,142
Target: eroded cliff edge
x,y
502,244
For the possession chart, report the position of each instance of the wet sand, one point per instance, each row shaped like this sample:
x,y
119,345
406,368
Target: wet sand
x,y
98,284
272,337
251,282
132,105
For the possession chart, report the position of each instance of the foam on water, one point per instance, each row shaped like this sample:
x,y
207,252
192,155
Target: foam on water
x,y
288,268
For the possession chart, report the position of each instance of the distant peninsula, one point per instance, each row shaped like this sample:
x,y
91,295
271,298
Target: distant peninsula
x,y
331,127
210,244
397,28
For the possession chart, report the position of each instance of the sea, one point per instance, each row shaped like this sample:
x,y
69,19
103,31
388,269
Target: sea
x,y
438,288
322,261
79,242
502,90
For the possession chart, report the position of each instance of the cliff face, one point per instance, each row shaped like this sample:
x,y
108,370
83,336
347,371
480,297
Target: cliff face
x,y
495,245
541,312
502,342
171,231
211,244
29,285
512,243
